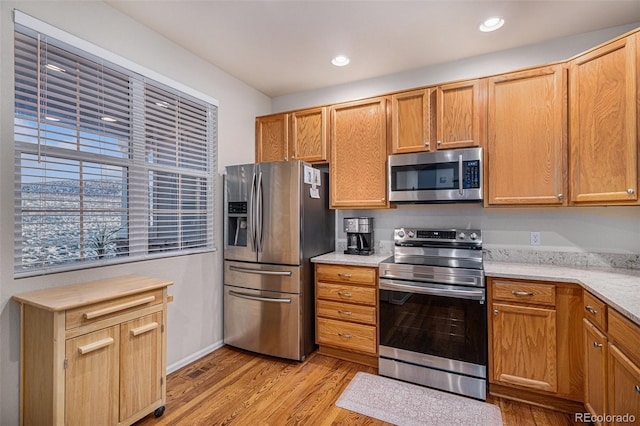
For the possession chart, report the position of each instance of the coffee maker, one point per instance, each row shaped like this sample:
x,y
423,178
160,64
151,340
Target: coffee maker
x,y
359,235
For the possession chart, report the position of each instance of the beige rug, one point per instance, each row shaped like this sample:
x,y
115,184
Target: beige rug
x,y
406,404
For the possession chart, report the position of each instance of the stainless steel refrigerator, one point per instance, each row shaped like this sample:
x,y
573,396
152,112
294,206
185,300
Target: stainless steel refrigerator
x,y
276,217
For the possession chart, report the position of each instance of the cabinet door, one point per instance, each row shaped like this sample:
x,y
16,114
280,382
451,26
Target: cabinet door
x,y
525,137
91,378
410,121
524,346
272,138
140,364
595,374
461,114
359,154
624,387
309,135
603,144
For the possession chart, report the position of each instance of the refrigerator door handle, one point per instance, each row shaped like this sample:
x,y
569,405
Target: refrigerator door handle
x,y
258,298
260,272
259,215
252,214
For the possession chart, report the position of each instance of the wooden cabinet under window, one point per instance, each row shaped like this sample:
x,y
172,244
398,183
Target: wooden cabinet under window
x,y
346,312
460,113
526,143
603,96
411,121
94,353
299,135
535,342
358,166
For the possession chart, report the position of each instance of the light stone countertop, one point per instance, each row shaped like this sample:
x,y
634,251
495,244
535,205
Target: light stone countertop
x,y
339,258
617,287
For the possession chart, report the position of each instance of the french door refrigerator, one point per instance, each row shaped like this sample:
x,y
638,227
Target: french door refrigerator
x,y
276,217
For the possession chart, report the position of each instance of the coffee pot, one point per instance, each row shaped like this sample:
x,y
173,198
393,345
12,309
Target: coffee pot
x,y
359,235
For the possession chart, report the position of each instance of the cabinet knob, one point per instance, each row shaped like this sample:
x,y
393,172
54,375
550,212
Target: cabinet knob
x,y
293,157
439,142
284,158
560,196
495,312
637,389
589,309
426,143
630,191
597,345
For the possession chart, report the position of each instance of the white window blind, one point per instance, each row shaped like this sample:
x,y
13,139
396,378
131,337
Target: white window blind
x,y
110,166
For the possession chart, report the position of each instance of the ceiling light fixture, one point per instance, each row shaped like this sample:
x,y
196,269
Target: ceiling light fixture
x,y
340,61
491,24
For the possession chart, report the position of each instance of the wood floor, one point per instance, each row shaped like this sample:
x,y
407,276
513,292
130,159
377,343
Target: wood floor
x,y
233,387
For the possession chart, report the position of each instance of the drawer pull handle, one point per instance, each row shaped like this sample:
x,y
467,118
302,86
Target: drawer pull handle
x,y
522,293
116,308
346,336
597,345
95,346
344,275
143,329
589,309
344,294
637,389
344,312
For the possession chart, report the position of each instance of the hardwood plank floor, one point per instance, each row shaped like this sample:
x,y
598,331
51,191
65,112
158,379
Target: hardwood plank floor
x,y
234,387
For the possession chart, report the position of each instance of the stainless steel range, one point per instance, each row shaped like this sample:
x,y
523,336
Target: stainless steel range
x,y
433,316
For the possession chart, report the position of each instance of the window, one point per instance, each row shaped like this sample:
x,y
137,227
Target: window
x,y
110,166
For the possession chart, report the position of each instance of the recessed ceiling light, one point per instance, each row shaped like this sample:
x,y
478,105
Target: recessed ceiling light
x,y
340,61
491,24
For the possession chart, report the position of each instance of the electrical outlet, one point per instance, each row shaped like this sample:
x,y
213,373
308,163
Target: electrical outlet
x,y
535,238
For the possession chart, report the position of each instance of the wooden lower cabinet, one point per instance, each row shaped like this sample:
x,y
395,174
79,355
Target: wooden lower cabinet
x,y
535,342
595,370
624,387
94,353
347,312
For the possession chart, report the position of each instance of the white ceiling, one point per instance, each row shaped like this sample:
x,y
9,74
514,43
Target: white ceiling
x,y
284,47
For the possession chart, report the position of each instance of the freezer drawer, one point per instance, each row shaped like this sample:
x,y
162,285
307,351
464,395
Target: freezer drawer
x,y
263,321
278,278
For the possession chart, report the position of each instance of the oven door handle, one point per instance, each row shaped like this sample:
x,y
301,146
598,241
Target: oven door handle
x,y
470,294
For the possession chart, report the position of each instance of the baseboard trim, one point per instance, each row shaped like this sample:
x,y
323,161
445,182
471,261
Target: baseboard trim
x,y
197,355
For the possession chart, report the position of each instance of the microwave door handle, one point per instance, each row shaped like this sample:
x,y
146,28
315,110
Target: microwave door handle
x,y
460,165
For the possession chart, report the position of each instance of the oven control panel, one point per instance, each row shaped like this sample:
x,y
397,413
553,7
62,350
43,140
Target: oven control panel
x,y
420,236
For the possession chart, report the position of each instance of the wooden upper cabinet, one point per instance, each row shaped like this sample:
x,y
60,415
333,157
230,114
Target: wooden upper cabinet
x,y
272,138
526,142
358,173
410,121
310,135
603,96
460,114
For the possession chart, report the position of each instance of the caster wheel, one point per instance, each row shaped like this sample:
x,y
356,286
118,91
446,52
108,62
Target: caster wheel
x,y
159,411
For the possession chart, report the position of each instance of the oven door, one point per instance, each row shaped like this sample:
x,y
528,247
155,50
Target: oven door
x,y
439,326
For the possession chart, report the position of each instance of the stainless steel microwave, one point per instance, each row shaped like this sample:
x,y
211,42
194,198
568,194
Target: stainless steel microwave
x,y
436,177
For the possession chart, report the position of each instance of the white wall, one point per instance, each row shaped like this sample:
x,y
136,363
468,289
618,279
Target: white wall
x,y
195,317
578,229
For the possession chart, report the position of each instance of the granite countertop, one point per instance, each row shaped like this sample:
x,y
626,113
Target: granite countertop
x,y
617,287
339,258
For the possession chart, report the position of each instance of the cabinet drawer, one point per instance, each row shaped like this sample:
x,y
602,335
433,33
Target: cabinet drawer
x,y
625,334
524,292
347,312
346,293
353,337
88,314
361,275
595,311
